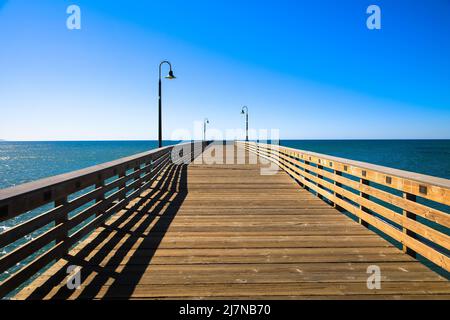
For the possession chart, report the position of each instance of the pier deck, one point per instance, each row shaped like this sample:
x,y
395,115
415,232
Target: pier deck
x,y
226,231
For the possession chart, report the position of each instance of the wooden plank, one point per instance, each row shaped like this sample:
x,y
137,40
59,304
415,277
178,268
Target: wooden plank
x,y
214,274
253,290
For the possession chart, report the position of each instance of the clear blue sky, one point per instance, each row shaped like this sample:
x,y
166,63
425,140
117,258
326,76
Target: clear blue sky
x,y
310,68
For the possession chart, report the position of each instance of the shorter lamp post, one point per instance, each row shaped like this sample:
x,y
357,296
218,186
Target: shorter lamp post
x,y
205,122
245,111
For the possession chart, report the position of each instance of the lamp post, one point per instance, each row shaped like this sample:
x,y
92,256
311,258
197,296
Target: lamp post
x,y
170,76
205,122
245,111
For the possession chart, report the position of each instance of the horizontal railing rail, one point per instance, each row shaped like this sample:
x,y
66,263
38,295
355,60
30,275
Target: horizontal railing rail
x,y
409,207
72,205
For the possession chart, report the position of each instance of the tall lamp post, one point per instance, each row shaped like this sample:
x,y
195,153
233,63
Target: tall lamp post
x,y
205,122
170,76
245,111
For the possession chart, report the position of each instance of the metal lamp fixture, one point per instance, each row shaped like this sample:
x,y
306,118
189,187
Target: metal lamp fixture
x,y
170,76
245,111
205,122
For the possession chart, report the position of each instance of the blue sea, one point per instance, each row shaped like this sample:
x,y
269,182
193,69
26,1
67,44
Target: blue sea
x,y
22,162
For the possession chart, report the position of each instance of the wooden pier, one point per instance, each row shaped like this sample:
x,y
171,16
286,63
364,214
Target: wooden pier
x,y
205,230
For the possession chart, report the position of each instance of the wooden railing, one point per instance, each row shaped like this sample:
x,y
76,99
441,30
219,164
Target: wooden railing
x,y
62,210
411,208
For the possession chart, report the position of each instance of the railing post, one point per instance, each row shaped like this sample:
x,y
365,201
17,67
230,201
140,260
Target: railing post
x,y
412,216
136,169
100,184
148,168
257,152
365,196
337,184
122,174
63,218
307,171
320,167
193,151
296,157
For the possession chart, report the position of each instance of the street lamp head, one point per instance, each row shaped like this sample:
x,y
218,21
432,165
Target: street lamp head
x,y
170,76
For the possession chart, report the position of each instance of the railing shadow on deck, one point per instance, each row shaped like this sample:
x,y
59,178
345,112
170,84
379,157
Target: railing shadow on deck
x,y
157,207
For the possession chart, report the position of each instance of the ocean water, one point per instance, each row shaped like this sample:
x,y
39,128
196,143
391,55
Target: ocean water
x,y
22,162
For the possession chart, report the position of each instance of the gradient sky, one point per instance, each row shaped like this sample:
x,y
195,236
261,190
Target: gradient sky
x,y
309,68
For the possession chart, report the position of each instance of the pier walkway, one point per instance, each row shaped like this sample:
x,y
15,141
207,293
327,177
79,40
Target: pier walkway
x,y
225,231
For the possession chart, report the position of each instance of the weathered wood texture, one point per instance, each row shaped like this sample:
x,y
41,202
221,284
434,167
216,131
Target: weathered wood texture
x,y
225,231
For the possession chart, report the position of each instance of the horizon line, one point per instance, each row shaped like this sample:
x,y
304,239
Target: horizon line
x,y
287,139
